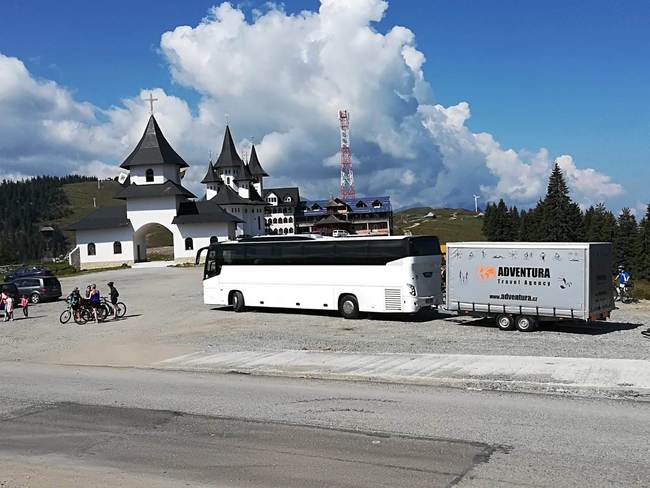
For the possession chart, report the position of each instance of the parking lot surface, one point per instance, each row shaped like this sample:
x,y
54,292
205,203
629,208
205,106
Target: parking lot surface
x,y
166,317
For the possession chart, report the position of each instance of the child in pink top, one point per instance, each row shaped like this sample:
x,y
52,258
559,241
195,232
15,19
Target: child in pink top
x,y
24,302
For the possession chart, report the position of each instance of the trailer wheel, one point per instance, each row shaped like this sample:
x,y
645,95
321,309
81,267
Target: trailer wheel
x,y
525,323
505,322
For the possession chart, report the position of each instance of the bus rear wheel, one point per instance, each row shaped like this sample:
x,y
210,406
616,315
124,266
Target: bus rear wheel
x,y
237,301
349,307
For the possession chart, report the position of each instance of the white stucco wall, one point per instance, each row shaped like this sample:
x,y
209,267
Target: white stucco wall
x,y
161,173
103,240
200,234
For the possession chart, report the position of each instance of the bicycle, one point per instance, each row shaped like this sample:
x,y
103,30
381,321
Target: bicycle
x,y
624,294
68,313
108,307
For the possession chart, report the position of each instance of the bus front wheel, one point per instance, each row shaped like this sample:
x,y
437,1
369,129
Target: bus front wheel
x,y
237,301
349,307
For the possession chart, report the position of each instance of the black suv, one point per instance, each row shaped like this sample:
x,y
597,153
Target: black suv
x,y
11,290
39,288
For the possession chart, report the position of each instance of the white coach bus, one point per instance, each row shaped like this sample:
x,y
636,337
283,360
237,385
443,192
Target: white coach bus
x,y
351,275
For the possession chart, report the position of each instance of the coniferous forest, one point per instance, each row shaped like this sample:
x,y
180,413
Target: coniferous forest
x,y
26,206
557,218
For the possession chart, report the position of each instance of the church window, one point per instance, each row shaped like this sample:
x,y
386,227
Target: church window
x,y
287,199
259,223
286,231
291,220
117,247
291,230
275,220
189,244
376,204
228,180
91,249
214,239
361,204
149,175
285,220
245,211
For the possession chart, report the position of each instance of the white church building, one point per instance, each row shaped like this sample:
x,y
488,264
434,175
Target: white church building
x,y
154,196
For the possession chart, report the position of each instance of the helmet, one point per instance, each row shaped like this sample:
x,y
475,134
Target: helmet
x,y
621,267
110,283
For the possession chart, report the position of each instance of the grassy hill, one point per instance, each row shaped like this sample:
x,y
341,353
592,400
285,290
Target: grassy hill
x,y
449,224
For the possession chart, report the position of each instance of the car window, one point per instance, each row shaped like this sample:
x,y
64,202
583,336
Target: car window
x,y
51,282
31,282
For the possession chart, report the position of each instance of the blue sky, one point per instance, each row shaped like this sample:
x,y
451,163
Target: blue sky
x,y
569,76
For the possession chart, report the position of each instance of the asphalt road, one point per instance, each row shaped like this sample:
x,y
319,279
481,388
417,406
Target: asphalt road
x,y
67,426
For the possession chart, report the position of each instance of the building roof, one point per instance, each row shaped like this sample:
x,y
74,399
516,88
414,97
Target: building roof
x,y
228,157
246,174
281,193
254,196
102,218
228,196
254,164
166,189
202,212
331,220
211,176
153,148
359,205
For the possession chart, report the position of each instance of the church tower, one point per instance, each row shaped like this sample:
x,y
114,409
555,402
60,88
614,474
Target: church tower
x,y
256,171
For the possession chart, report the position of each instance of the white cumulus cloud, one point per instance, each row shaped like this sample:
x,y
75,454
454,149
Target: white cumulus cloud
x,y
282,78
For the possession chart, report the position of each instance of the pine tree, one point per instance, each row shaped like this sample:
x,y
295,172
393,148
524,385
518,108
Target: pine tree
x,y
600,224
561,218
626,241
643,258
488,221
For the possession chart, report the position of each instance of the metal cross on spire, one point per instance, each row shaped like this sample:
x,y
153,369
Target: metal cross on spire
x,y
151,99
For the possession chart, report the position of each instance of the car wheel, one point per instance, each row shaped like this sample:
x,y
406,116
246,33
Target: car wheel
x,y
525,323
349,307
237,301
505,322
35,298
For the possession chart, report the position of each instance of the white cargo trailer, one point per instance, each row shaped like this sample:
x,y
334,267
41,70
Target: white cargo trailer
x,y
521,283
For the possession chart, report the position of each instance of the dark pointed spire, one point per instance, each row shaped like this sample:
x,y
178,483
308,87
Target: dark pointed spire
x,y
254,164
153,148
211,176
228,158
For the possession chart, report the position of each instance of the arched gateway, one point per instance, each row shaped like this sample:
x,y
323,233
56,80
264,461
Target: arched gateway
x,y
153,194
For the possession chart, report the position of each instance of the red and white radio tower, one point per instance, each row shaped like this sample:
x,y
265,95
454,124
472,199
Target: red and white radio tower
x,y
346,189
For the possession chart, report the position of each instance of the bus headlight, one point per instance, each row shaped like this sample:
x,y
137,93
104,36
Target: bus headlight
x,y
411,289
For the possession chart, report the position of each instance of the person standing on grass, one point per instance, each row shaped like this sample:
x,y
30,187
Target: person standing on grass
x,y
24,303
113,294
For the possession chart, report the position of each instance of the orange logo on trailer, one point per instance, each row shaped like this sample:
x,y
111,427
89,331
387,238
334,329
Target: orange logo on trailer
x,y
487,272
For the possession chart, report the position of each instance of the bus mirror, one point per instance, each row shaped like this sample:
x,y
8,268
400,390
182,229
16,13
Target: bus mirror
x,y
198,254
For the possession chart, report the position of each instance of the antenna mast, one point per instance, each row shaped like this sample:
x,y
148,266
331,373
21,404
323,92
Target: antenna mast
x,y
346,190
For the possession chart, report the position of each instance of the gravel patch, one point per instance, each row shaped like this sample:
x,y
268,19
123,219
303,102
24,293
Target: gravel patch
x,y
166,316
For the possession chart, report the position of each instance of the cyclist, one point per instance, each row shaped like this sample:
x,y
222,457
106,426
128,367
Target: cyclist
x,y
113,294
95,300
622,282
74,299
